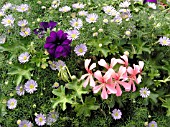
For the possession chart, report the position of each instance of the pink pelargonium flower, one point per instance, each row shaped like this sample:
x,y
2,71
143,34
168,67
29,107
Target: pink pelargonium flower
x,y
103,63
89,75
119,79
137,69
124,61
105,82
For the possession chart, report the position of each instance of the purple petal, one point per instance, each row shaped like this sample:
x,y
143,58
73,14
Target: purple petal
x,y
52,24
50,40
152,1
52,51
67,42
44,25
60,34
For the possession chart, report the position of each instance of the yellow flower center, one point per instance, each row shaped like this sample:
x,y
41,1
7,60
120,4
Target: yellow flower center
x,y
23,24
64,9
80,50
23,8
144,92
8,21
117,20
116,114
76,24
12,104
31,86
152,125
164,42
108,10
25,125
26,33
25,57
92,19
73,35
40,119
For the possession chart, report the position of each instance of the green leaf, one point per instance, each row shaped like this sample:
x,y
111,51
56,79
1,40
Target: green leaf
x,y
61,99
77,87
20,72
153,97
104,51
85,108
167,105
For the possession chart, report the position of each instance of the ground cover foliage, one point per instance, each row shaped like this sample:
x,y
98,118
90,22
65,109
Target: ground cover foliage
x,y
138,32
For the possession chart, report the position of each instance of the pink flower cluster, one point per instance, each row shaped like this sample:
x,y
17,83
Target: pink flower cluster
x,y
111,81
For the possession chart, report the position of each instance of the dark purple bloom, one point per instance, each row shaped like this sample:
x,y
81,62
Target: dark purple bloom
x,y
43,28
152,1
57,44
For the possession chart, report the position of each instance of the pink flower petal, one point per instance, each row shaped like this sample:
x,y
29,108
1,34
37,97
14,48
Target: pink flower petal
x,y
111,88
86,64
84,76
108,74
141,65
92,66
97,88
130,70
119,91
125,58
92,82
104,94
103,63
86,82
126,85
98,75
113,62
122,70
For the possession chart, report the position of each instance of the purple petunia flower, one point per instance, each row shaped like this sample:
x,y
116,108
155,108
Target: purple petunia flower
x,y
152,1
80,50
57,44
152,124
40,119
43,28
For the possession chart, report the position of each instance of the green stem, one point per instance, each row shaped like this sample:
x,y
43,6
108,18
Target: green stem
x,y
68,71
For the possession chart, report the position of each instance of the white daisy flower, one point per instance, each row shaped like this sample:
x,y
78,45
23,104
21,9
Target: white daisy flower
x,y
64,9
144,92
92,18
82,13
25,32
76,23
12,103
108,10
8,20
6,6
24,57
116,114
78,5
22,8
124,4
73,34
22,23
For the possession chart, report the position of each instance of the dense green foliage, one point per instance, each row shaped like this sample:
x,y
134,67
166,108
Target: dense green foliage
x,y
78,106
